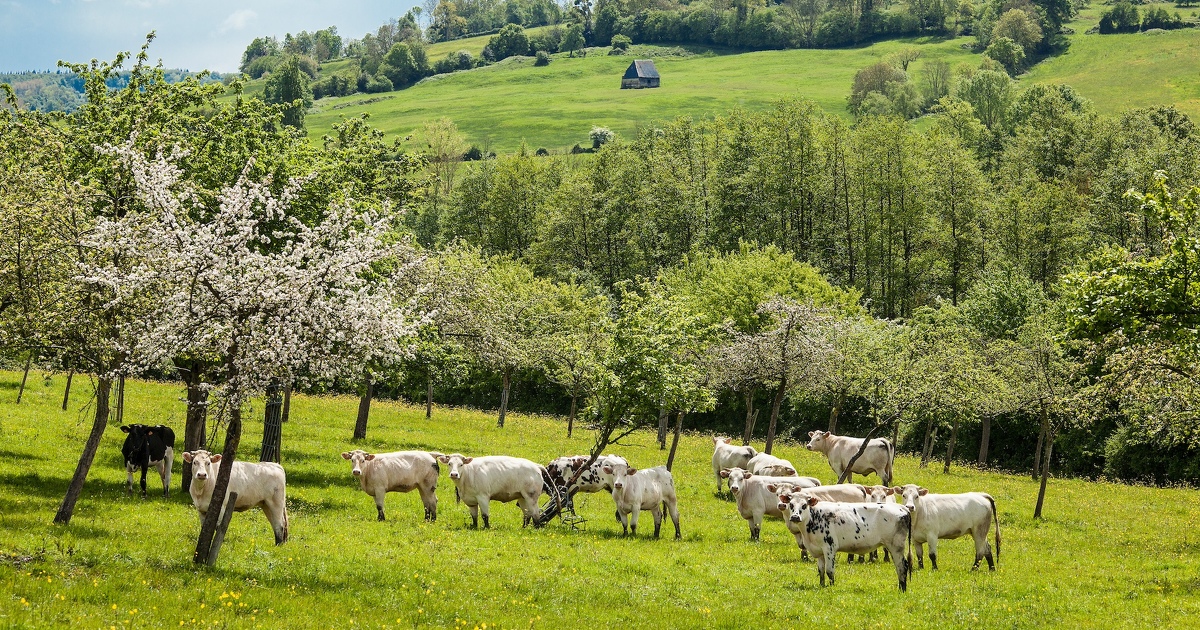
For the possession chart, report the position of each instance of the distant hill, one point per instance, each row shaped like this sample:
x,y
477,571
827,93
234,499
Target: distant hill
x,y
63,91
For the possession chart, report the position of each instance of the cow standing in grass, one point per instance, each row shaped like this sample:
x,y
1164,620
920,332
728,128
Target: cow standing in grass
x,y
823,529
839,450
480,480
402,471
636,490
261,485
726,456
146,447
948,516
757,495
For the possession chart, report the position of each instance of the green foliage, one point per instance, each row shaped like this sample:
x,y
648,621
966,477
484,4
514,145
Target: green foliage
x,y
989,94
621,42
543,58
1008,53
509,42
573,39
400,66
289,86
1019,27
874,78
1123,17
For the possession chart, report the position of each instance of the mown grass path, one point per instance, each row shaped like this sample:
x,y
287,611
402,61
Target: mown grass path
x,y
1105,555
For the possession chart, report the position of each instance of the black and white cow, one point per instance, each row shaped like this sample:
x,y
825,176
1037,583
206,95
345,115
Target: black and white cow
x,y
147,446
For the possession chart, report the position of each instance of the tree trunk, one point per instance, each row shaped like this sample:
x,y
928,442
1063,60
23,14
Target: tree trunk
x,y
103,388
985,439
749,432
287,402
675,440
25,376
364,409
838,401
1037,451
571,416
219,536
67,391
663,414
429,397
950,446
928,454
927,446
233,437
504,397
1037,510
272,438
121,399
775,413
195,420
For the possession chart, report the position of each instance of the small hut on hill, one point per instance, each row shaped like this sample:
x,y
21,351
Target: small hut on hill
x,y
641,74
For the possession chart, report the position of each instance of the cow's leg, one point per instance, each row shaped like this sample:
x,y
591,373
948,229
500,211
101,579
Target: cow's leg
x,y
145,466
429,500
657,513
933,553
622,521
274,511
128,479
920,555
874,556
720,482
168,463
901,566
887,555
164,474
474,516
982,550
830,560
755,526
484,504
820,567
673,509
380,495
633,517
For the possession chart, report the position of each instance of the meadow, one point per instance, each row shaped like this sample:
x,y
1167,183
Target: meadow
x,y
1104,554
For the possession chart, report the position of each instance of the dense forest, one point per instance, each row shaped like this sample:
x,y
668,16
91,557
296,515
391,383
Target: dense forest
x,y
1017,273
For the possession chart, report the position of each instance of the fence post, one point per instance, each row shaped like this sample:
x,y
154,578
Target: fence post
x,y
272,424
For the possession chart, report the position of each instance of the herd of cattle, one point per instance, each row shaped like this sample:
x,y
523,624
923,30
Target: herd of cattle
x,y
824,519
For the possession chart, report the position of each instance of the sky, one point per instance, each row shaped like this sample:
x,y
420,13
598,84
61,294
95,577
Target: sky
x,y
191,34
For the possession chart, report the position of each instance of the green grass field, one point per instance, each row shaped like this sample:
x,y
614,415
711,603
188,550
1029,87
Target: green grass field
x,y
1104,553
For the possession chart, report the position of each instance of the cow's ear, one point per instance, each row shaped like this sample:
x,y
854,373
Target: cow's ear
x,y
631,471
898,490
812,501
922,492
468,460
445,459
187,456
345,455
811,433
370,456
791,472
891,491
772,488
215,458
747,475
124,429
608,470
724,473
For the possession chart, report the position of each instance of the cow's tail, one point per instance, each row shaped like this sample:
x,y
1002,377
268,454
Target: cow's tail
x,y
996,520
908,565
890,460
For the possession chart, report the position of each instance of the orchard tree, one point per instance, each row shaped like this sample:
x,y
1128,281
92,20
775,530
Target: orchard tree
x,y
577,329
289,86
254,286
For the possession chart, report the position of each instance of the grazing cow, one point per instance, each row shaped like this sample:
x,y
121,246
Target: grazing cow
x,y
824,528
839,450
771,466
147,446
636,490
755,500
590,481
261,485
480,480
402,471
726,455
947,516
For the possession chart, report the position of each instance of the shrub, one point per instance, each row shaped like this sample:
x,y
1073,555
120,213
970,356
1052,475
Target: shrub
x,y
541,151
377,84
621,42
543,58
576,150
509,42
600,136
1159,18
473,154
874,78
1009,53
1122,18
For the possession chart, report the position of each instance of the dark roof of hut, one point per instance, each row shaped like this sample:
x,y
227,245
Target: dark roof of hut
x,y
641,69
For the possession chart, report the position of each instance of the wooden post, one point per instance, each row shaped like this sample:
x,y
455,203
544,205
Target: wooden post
x,y
67,392
429,397
222,526
25,376
571,417
675,440
272,440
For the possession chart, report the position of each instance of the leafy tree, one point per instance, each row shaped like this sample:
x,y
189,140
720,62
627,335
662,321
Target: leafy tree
x,y
511,41
1123,17
874,78
600,136
289,86
935,81
1021,28
573,39
259,48
621,42
1008,53
399,66
989,94
445,146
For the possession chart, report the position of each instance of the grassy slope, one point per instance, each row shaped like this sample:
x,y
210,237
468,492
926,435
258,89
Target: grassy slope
x,y
1104,551
555,106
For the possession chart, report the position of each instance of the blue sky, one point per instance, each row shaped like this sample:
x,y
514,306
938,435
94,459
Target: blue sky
x,y
192,34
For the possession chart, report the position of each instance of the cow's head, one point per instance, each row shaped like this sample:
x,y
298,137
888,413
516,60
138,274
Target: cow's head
x,y
881,494
718,440
455,462
816,440
357,457
737,478
911,494
202,463
796,506
616,469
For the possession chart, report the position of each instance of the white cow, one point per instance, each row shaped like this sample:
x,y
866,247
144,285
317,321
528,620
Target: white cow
x,y
481,480
824,528
764,464
947,516
726,455
402,471
636,490
880,494
755,500
839,450
261,485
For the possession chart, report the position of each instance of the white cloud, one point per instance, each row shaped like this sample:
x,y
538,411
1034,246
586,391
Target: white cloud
x,y
237,20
